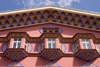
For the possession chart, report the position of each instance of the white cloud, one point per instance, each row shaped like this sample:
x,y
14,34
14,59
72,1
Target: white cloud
x,y
35,3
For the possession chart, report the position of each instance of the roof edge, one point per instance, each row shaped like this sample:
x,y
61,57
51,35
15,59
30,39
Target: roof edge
x,y
50,7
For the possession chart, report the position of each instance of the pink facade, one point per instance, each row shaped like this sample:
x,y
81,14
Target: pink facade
x,y
33,50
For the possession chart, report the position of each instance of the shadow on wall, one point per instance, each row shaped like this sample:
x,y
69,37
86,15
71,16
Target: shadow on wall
x,y
41,62
3,62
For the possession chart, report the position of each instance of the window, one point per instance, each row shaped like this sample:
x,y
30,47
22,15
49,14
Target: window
x,y
86,44
56,31
76,46
44,30
17,43
51,43
50,30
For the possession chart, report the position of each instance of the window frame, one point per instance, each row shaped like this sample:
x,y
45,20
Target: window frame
x,y
16,43
86,43
52,42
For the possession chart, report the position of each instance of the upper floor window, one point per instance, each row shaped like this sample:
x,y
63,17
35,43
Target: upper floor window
x,y
56,30
86,44
45,30
17,43
50,30
51,43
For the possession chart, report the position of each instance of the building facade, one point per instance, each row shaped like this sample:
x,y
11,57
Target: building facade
x,y
49,36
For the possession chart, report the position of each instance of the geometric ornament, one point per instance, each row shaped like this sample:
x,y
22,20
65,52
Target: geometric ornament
x,y
51,64
97,48
39,48
50,26
14,64
63,48
4,47
88,64
73,48
29,47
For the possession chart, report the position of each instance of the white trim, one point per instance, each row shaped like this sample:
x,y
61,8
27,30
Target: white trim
x,y
51,7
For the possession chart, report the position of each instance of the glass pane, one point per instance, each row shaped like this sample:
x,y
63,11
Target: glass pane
x,y
87,40
19,39
54,45
83,40
50,30
49,45
53,39
14,45
88,46
84,46
49,39
19,45
15,39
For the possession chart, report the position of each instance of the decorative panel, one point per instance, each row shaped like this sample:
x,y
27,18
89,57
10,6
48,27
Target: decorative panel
x,y
88,64
4,47
55,16
73,48
50,26
39,48
97,48
51,64
63,48
29,47
14,64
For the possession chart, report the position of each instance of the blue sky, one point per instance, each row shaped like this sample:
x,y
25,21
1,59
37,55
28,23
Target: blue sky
x,y
88,5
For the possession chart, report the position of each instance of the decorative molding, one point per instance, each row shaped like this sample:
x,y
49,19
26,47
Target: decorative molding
x,y
47,35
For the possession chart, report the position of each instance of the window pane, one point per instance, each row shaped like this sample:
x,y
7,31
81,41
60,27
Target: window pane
x,y
49,45
14,45
50,31
87,40
83,40
54,45
84,46
19,45
49,39
88,46
53,39
19,39
15,39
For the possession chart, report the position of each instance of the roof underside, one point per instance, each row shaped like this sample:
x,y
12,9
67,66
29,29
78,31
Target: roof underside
x,y
50,14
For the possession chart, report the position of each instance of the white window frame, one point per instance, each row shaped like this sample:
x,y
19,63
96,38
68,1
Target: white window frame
x,y
86,43
16,43
26,43
51,42
76,46
42,45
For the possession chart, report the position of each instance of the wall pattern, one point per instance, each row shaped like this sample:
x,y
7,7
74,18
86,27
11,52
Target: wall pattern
x,y
50,26
13,64
50,15
29,47
4,47
88,64
51,64
73,47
